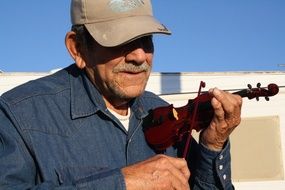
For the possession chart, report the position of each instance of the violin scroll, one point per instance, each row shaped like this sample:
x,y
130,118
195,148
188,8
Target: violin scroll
x,y
272,89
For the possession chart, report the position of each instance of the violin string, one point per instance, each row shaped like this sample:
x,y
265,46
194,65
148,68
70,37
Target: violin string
x,y
228,90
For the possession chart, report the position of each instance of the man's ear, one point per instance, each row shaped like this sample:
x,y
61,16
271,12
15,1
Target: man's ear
x,y
74,49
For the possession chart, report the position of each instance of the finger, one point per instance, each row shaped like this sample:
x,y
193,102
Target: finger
x,y
180,164
176,166
176,184
168,180
218,109
230,102
227,109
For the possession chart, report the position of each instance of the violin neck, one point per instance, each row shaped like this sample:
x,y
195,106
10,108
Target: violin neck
x,y
242,93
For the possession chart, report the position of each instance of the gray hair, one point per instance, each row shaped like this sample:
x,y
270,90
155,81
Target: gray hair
x,y
83,37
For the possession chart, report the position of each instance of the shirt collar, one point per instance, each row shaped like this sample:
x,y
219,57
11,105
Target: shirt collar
x,y
85,99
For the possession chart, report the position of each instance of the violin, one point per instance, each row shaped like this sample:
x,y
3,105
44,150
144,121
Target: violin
x,y
167,126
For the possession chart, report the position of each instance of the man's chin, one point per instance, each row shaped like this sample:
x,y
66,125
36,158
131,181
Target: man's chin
x,y
132,92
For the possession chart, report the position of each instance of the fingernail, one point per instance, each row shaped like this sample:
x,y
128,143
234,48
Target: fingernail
x,y
217,91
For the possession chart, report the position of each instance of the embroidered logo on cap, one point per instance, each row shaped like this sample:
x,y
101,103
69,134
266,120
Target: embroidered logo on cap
x,y
125,5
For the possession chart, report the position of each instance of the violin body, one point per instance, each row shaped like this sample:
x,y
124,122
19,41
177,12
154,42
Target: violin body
x,y
166,126
163,128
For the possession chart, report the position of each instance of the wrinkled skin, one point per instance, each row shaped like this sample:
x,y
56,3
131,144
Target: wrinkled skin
x,y
227,111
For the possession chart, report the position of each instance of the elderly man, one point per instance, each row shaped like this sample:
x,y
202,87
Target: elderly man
x,y
81,128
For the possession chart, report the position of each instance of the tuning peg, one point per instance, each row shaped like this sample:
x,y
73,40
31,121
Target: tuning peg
x,y
266,98
257,98
249,86
258,85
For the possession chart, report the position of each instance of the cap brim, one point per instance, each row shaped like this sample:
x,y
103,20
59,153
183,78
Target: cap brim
x,y
120,31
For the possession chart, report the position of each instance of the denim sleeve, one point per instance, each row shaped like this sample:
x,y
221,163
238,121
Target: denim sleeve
x,y
213,169
19,170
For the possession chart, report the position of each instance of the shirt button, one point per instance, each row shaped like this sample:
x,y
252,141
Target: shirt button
x,y
224,176
221,157
221,167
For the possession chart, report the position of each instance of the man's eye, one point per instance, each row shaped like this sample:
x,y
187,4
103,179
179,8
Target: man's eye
x,y
147,41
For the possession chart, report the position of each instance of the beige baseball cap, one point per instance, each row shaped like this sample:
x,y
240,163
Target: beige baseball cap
x,y
116,22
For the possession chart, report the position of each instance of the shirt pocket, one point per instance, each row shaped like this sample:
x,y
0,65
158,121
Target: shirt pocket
x,y
76,175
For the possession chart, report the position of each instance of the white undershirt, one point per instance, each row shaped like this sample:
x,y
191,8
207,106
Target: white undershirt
x,y
124,119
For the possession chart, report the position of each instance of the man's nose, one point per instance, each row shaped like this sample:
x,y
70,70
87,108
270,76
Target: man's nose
x,y
136,55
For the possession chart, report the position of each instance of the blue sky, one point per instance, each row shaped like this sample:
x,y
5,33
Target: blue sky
x,y
207,35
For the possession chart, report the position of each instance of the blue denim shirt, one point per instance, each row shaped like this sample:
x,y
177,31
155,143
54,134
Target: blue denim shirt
x,y
56,133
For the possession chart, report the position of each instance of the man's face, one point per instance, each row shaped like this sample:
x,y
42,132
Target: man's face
x,y
121,73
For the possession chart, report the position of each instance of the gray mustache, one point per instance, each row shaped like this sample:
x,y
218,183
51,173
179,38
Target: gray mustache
x,y
129,67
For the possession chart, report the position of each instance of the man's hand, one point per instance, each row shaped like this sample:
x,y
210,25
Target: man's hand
x,y
158,172
227,111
